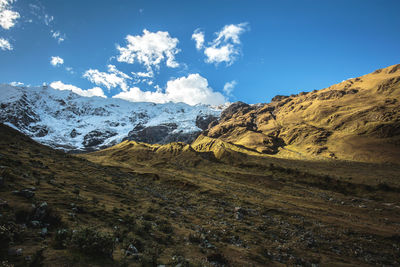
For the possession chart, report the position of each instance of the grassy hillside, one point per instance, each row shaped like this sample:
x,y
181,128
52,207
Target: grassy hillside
x,y
251,209
357,119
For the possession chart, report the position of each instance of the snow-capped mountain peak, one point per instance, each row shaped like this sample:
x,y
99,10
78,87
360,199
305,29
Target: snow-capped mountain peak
x,y
63,119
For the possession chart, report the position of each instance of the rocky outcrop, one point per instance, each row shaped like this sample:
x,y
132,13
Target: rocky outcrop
x,y
95,138
203,121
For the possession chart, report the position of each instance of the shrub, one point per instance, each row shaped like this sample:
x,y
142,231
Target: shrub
x,y
165,227
92,242
217,259
62,238
52,217
195,238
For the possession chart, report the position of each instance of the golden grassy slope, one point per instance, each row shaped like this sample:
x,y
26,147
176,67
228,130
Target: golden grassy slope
x,y
357,119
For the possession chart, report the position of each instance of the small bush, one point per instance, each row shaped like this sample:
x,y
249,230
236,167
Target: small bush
x,y
23,214
62,238
195,238
92,242
52,217
217,259
165,227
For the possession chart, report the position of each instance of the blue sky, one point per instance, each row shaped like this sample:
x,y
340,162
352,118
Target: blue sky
x,y
253,49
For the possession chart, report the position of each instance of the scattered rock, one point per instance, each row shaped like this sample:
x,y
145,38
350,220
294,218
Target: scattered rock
x,y
3,203
15,252
132,250
40,211
239,212
35,224
44,232
26,193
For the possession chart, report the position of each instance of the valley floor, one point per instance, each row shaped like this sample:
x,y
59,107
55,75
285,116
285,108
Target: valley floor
x,y
253,212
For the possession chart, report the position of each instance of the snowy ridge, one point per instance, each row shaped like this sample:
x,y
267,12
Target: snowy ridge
x,y
63,119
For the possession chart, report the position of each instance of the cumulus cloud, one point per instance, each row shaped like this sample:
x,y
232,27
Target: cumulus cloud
x,y
5,44
55,61
226,45
95,91
193,89
8,17
110,79
228,87
150,49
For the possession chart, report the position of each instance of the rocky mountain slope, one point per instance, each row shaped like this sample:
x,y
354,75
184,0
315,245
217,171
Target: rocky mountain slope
x,y
62,119
357,119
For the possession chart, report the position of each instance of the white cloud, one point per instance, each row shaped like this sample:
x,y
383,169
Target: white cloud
x,y
55,61
225,47
58,36
228,87
95,91
226,53
136,95
5,44
150,49
198,37
192,90
7,16
110,79
148,74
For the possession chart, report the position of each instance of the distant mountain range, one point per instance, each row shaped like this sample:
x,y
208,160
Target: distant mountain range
x,y
63,119
357,119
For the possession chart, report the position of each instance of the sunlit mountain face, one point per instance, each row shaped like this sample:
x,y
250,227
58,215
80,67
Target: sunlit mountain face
x,y
199,133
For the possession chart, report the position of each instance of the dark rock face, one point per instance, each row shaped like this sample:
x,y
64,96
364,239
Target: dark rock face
x,y
95,138
18,113
202,121
160,134
74,133
182,137
236,108
151,134
40,130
